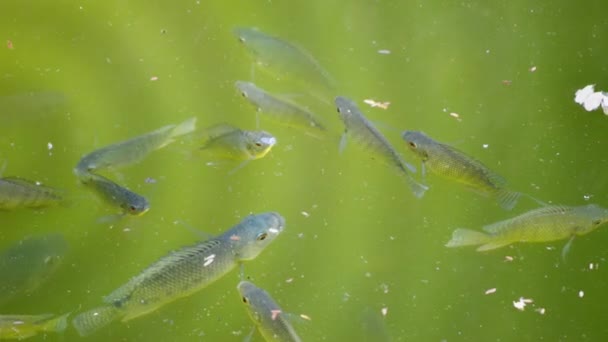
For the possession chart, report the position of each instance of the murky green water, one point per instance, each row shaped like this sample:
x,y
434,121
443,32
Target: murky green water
x,y
76,76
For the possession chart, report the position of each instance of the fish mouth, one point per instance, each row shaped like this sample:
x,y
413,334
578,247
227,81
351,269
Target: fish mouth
x,y
279,223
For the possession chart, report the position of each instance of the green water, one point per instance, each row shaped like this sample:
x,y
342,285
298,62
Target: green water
x,y
79,74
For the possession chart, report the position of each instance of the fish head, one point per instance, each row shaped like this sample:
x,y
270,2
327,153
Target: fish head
x,y
254,233
259,143
135,204
345,108
595,215
417,142
244,88
252,296
244,34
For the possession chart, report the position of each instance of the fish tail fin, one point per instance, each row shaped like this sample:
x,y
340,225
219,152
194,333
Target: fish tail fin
x,y
57,324
417,188
467,237
507,199
90,321
184,128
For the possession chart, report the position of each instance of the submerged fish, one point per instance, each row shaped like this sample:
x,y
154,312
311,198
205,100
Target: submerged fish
x,y
116,195
266,314
27,264
133,150
361,130
228,142
18,327
21,193
451,163
184,272
540,225
278,109
283,58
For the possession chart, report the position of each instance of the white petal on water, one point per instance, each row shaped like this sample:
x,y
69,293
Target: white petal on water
x,y
581,294
582,94
593,101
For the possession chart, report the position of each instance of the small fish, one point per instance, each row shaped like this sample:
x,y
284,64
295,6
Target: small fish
x,y
18,327
116,195
266,314
284,59
278,109
133,150
545,224
22,193
446,161
228,142
361,130
27,264
184,272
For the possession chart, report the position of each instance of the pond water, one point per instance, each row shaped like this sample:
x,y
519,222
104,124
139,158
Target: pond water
x,y
360,254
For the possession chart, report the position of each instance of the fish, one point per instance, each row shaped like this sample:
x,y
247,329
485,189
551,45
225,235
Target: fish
x,y
133,150
270,320
18,327
18,193
29,263
228,142
450,163
550,223
284,59
184,272
282,111
363,132
128,201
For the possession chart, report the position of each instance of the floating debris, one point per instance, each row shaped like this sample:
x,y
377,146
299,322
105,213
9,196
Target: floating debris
x,y
533,69
306,317
374,103
506,82
581,294
521,303
384,311
154,78
509,258
541,311
490,291
591,99
455,116
9,44
384,52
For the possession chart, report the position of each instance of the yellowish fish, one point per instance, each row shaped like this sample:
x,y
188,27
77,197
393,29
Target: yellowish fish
x,y
280,110
133,150
19,327
545,224
447,161
270,320
21,193
228,142
116,195
184,272
358,128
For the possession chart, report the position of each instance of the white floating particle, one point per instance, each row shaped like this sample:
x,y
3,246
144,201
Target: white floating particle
x,y
384,311
305,214
581,294
154,78
490,291
541,311
456,116
485,145
289,280
384,52
508,258
306,317
533,69
49,145
208,260
521,303
274,314
374,103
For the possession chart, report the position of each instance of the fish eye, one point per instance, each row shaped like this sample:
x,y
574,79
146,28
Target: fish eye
x,y
412,144
132,208
261,237
245,300
241,39
258,144
244,94
597,222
